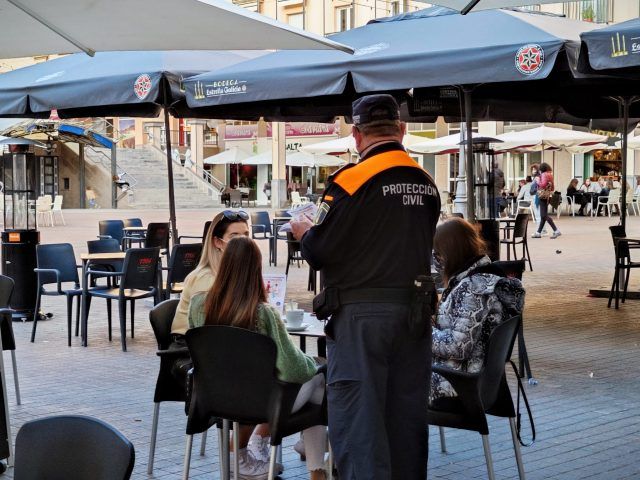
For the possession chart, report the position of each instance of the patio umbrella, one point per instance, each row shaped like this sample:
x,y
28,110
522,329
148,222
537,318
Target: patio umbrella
x,y
44,27
310,160
265,158
441,145
543,138
348,144
232,155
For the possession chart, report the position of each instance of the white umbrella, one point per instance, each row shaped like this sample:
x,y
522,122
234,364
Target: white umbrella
x,y
543,138
591,148
303,159
440,146
348,144
232,155
632,142
265,158
43,27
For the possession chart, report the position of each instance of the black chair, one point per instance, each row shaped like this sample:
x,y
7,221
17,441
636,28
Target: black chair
x,y
515,269
518,236
253,197
235,198
205,231
479,394
111,229
105,245
158,236
622,249
254,397
168,387
261,230
293,251
134,237
57,264
6,328
72,447
138,280
183,260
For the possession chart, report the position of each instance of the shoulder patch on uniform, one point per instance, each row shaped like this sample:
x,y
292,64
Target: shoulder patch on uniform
x,y
351,180
328,198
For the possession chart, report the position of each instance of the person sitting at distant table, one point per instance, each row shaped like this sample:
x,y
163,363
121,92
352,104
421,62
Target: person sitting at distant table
x,y
577,196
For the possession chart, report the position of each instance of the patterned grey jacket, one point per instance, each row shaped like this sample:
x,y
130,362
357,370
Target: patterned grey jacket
x,y
472,305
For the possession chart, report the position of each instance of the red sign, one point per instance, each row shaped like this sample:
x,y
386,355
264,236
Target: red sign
x,y
239,132
292,129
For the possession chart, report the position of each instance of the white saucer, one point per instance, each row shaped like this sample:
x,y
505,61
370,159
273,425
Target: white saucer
x,y
301,328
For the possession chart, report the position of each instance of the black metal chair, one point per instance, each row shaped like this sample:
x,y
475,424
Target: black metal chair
x,y
111,229
168,387
515,269
261,230
105,245
57,264
293,252
479,394
205,231
518,236
72,447
183,260
138,280
6,328
624,263
254,397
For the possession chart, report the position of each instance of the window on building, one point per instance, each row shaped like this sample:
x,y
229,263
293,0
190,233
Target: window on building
x,y
344,19
395,8
597,11
296,20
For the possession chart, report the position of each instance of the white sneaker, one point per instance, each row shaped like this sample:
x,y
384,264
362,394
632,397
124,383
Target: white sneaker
x,y
555,234
251,468
536,235
544,232
261,449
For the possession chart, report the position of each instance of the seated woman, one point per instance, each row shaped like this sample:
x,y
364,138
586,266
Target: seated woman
x,y
238,298
577,196
477,298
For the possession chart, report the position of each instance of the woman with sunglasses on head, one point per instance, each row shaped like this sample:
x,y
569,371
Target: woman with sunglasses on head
x,y
238,298
477,298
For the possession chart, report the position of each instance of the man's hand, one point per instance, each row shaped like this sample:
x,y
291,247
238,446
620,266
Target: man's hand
x,y
300,226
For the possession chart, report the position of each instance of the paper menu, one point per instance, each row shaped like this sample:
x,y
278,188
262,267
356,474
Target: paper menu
x,y
276,286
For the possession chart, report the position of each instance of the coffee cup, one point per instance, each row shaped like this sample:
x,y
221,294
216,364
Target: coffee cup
x,y
295,317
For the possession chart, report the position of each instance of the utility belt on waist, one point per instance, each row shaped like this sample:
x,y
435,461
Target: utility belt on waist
x,y
331,299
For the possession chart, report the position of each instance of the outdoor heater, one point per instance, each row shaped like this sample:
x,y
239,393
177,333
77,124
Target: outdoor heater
x,y
485,197
20,235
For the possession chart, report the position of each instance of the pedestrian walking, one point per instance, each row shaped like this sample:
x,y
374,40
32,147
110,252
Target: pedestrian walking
x,y
371,239
545,191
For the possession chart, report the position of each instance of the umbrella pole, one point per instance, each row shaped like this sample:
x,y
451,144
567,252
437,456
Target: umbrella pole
x,y
626,101
172,196
471,194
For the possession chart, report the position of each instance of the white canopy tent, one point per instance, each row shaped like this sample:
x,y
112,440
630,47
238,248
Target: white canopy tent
x,y
265,158
439,146
303,159
45,27
348,144
232,155
544,138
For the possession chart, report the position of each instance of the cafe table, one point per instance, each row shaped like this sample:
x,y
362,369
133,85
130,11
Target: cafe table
x,y
86,258
506,224
315,329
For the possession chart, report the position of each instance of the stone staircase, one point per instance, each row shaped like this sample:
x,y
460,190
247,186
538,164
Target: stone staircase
x,y
149,168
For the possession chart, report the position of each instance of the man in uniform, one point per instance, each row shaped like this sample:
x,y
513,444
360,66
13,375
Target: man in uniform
x,y
371,239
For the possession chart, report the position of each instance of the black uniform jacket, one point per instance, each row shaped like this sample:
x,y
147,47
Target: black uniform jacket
x,y
379,229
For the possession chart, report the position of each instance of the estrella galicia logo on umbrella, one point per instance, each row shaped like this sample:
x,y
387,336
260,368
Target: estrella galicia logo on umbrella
x,y
529,59
142,86
220,88
618,46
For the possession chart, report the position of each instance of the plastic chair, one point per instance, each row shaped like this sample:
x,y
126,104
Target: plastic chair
x,y
56,209
479,394
6,328
613,199
518,237
57,264
105,245
297,199
111,229
72,447
254,397
293,251
157,236
235,198
629,202
622,249
43,210
634,204
133,237
168,387
205,232
138,280
183,260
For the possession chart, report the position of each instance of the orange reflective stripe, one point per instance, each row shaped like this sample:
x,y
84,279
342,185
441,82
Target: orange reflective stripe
x,y
352,179
328,198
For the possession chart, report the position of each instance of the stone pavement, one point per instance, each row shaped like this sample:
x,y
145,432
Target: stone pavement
x,y
585,357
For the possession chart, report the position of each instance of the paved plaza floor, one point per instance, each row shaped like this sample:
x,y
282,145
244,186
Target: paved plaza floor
x,y
586,358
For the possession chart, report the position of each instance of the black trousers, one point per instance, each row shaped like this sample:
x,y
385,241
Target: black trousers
x,y
378,385
544,216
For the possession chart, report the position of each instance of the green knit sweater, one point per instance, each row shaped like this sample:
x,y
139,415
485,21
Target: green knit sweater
x,y
292,364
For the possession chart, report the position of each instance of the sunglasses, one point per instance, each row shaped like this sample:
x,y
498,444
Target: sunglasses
x,y
235,215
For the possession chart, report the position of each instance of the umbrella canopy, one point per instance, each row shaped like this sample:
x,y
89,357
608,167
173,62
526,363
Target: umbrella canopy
x,y
43,27
441,145
232,155
110,83
614,47
519,47
310,160
55,129
348,144
265,158
543,137
466,6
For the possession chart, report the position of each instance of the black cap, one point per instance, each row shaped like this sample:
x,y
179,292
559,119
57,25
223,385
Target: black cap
x,y
374,108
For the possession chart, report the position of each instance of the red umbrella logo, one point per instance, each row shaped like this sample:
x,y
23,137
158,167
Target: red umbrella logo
x,y
529,59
